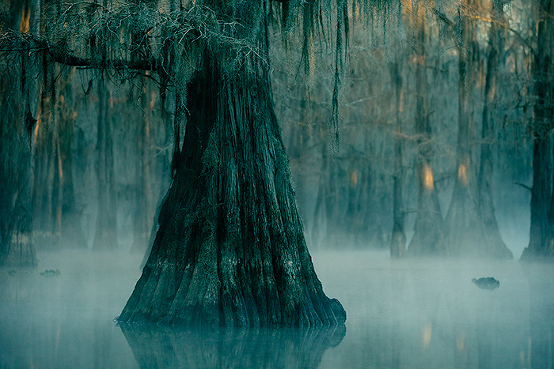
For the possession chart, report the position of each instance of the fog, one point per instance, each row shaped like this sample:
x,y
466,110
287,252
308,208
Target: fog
x,y
407,313
430,123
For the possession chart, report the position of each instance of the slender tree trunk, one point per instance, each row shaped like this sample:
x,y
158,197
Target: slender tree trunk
x,y
354,227
230,249
428,229
68,211
398,237
16,125
326,211
144,211
106,221
485,186
541,194
464,231
541,238
44,158
47,194
57,221
319,208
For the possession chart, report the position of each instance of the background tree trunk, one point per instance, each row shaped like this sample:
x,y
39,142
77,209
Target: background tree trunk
x,y
428,229
16,126
398,236
144,202
464,232
541,238
106,221
68,211
44,160
487,215
326,230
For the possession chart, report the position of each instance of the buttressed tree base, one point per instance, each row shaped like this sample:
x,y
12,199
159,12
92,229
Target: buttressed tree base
x,y
230,249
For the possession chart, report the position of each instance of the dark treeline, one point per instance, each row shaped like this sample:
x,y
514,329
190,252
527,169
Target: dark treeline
x,y
442,106
405,122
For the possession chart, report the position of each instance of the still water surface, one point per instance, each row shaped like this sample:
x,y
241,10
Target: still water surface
x,y
422,313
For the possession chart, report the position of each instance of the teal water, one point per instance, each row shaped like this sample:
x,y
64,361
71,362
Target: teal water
x,y
421,313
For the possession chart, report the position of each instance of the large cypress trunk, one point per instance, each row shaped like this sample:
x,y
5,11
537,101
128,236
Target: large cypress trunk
x,y
230,248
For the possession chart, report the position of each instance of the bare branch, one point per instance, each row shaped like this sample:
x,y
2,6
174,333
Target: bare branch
x,y
523,185
60,54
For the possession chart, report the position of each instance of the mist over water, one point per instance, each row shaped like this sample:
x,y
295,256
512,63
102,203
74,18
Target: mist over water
x,y
409,313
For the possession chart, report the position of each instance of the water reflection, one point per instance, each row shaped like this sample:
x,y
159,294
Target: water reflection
x,y
540,351
159,347
422,313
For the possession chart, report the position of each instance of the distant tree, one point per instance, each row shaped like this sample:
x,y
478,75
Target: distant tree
x,y
541,236
466,231
495,49
105,236
428,228
398,235
16,126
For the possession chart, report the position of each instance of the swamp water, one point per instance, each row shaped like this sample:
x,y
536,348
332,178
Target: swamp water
x,y
416,313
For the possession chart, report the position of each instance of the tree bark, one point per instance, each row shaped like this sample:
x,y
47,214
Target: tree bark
x,y
541,237
486,168
230,248
16,126
44,159
106,221
326,211
69,215
428,229
465,233
398,236
144,211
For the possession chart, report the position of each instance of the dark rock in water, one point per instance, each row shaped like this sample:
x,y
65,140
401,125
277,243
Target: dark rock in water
x,y
50,273
487,283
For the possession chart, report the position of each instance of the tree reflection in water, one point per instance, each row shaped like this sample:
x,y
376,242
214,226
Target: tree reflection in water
x,y
541,317
164,347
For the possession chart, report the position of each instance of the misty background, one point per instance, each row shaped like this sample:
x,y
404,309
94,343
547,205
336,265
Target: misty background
x,y
101,162
344,187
